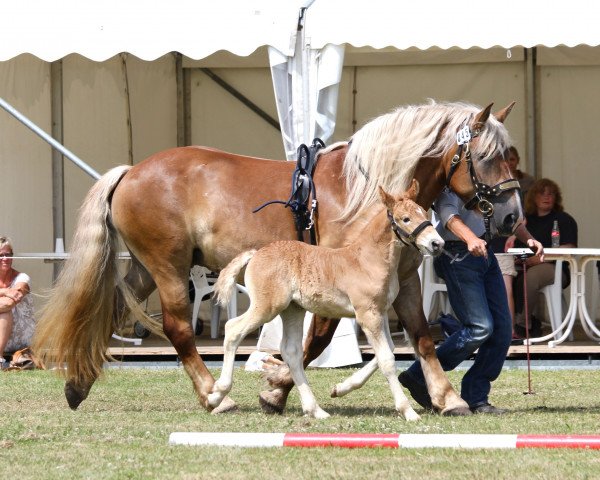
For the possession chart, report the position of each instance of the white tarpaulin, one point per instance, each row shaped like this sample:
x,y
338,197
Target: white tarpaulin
x,y
150,28
306,88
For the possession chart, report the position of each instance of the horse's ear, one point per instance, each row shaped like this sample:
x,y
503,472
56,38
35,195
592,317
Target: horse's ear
x,y
502,114
481,118
413,191
386,198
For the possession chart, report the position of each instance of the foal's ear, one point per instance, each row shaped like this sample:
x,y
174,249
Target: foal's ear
x,y
502,114
481,118
386,198
413,190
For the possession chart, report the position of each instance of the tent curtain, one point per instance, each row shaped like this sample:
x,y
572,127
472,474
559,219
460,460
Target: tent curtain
x,y
306,89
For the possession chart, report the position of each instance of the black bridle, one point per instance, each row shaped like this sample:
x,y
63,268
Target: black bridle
x,y
484,194
404,237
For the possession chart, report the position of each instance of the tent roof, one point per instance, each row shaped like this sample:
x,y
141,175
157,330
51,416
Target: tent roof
x,y
148,29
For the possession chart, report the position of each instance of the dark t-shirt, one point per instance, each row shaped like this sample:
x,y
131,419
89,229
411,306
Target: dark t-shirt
x,y
541,228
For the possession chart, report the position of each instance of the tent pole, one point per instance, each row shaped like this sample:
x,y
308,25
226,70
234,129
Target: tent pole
x,y
58,179
531,111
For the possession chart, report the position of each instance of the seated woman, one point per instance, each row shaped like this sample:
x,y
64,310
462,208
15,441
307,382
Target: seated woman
x,y
16,306
543,206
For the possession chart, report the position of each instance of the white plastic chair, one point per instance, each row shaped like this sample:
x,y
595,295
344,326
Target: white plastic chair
x,y
202,287
553,294
431,284
595,293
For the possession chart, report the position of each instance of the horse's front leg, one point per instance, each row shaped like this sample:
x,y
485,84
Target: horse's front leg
x,y
409,308
319,335
372,323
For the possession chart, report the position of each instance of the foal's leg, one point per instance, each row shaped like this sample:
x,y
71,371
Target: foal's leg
x,y
372,325
235,331
319,335
408,307
291,350
360,377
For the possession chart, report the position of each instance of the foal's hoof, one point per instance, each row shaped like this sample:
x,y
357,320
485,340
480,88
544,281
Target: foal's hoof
x,y
457,412
75,395
268,405
227,405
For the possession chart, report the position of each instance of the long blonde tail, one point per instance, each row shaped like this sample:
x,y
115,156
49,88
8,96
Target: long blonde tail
x,y
225,285
76,324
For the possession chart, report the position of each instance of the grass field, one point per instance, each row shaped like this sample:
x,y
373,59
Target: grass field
x,y
122,430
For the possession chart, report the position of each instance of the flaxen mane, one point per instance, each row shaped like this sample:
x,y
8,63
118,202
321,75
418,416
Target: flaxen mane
x,y
402,137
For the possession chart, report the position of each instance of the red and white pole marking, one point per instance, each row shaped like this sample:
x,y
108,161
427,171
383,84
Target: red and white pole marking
x,y
391,440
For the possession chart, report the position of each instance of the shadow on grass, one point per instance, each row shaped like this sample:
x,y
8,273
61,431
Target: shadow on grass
x,y
595,409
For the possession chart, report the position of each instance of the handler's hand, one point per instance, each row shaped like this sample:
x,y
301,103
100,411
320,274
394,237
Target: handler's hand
x,y
536,247
477,247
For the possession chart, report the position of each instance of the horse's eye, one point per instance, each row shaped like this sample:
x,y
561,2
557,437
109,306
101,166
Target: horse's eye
x,y
406,219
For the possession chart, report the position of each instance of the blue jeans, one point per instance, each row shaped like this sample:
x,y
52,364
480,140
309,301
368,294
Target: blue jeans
x,y
478,297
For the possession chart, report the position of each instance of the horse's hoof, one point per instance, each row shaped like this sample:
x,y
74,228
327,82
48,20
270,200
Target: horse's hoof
x,y
457,412
269,407
411,416
226,406
75,395
334,392
320,414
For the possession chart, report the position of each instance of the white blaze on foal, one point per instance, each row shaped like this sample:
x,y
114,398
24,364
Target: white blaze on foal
x,y
360,280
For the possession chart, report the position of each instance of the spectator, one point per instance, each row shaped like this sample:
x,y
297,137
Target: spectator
x,y
525,180
543,206
16,307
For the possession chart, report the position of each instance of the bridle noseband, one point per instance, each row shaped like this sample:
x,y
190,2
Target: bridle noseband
x,y
484,194
407,238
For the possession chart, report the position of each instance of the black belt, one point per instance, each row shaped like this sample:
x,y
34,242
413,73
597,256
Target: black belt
x,y
457,243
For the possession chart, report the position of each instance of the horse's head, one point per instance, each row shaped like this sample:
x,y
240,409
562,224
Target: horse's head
x,y
477,171
409,221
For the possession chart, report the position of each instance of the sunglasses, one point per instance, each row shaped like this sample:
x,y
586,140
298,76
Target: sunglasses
x,y
6,255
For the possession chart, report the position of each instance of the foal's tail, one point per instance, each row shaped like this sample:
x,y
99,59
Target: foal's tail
x,y
225,285
77,322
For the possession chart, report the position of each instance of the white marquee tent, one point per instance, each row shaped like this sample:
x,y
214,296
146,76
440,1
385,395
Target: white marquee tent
x,y
103,79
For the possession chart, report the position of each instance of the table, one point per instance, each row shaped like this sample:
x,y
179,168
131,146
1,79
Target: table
x,y
578,259
54,257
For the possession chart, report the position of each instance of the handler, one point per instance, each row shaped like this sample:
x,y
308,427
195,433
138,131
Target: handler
x,y
478,297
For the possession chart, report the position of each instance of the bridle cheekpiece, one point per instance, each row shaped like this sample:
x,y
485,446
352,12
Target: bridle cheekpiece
x,y
484,193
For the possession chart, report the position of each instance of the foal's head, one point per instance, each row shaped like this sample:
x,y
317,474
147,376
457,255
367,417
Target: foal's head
x,y
409,221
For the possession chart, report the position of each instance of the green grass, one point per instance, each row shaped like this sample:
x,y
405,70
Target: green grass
x,y
122,430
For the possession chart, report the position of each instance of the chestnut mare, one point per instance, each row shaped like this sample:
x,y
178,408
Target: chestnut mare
x,y
193,205
359,280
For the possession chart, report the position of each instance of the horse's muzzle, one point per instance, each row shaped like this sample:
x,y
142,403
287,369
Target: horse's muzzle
x,y
437,247
509,223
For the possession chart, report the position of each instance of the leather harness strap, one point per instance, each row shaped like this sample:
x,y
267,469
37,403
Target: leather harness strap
x,y
303,188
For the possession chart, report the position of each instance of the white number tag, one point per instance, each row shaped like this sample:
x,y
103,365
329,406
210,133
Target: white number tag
x,y
463,135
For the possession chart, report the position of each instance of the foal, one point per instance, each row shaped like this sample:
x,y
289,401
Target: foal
x,y
359,280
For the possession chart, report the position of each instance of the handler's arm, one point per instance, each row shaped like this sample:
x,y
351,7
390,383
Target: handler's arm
x,y
475,245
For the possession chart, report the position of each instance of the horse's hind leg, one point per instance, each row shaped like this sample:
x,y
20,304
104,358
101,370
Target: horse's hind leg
x,y
291,351
319,336
173,290
141,284
235,331
378,336
408,307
